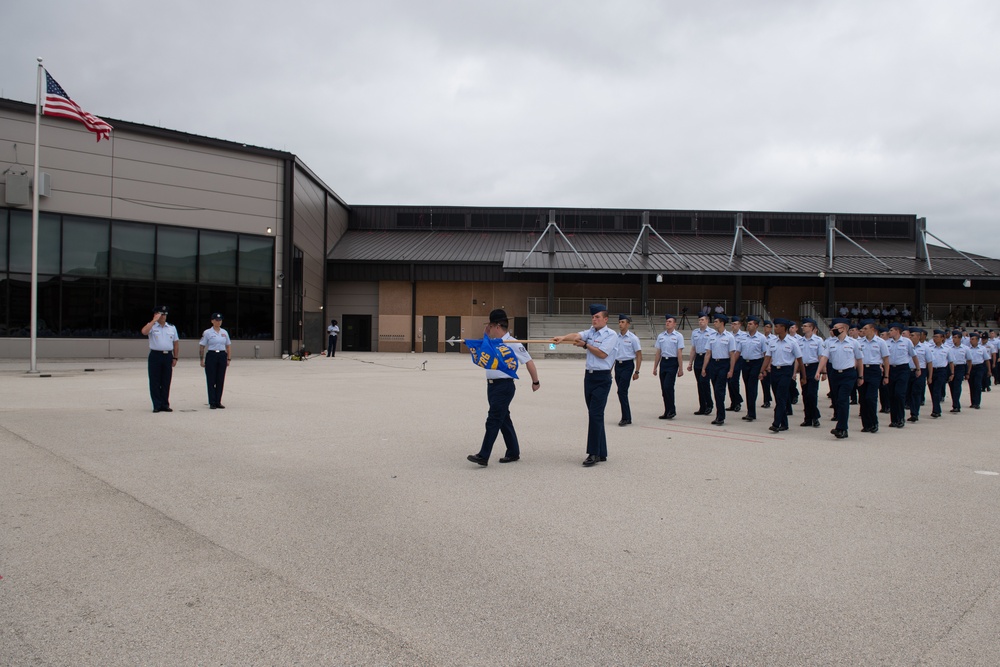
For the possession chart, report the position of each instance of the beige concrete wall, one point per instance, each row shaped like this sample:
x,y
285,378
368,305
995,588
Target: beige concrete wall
x,y
133,348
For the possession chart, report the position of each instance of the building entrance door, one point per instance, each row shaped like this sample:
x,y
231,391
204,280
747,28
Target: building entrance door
x,y
356,333
430,337
452,329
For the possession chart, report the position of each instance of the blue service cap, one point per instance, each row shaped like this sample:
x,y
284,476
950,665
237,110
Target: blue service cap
x,y
766,323
597,308
839,320
735,318
623,316
896,325
808,320
719,316
783,322
865,323
753,318
917,330
956,332
882,330
668,316
939,332
974,334
161,309
216,316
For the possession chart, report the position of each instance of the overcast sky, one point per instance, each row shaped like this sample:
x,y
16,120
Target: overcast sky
x,y
856,106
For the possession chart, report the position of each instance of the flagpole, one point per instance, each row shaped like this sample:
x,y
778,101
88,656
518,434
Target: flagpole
x,y
34,227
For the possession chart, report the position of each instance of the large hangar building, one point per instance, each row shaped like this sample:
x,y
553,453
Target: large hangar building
x,y
159,216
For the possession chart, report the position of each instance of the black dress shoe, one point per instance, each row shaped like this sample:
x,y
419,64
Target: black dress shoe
x,y
510,459
975,407
816,423
665,415
701,412
841,435
590,461
913,418
718,422
213,406
671,415
602,458
165,410
806,423
854,402
935,415
767,404
884,411
873,429
625,422
476,458
220,406
782,428
956,409
773,429
736,407
748,418
795,400
156,409
866,429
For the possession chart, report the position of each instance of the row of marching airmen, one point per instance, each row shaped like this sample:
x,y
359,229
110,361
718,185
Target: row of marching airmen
x,y
863,364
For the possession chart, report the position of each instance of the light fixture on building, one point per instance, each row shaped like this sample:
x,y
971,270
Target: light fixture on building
x,y
659,277
268,230
966,283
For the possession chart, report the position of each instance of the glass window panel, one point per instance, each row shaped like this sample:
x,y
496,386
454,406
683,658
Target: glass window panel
x,y
20,305
217,258
3,241
133,250
20,242
85,308
213,299
176,254
182,302
85,247
256,261
256,317
132,304
4,324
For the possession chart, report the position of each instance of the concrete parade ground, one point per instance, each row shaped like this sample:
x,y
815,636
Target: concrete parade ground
x,y
328,516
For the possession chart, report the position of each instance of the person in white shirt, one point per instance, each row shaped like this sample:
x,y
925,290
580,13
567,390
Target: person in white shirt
x,y
332,332
627,365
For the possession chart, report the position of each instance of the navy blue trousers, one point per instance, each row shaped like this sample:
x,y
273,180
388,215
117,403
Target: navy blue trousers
x,y
331,346
899,385
841,384
869,396
976,383
956,386
918,387
596,387
751,378
717,371
810,393
499,394
624,370
735,398
781,384
668,380
215,375
938,385
705,402
161,370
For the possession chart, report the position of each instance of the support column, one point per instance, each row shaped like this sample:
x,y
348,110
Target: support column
x,y
737,294
921,298
644,293
552,294
831,299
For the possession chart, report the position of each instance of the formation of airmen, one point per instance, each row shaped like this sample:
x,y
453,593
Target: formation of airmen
x,y
882,369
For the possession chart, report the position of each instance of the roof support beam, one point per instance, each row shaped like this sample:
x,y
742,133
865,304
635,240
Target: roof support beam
x,y
889,268
644,238
552,243
958,251
738,240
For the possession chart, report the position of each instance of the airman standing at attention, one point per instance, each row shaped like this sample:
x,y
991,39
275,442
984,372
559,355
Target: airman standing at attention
x,y
958,354
901,356
699,344
979,363
842,364
626,365
921,348
781,361
813,348
735,398
751,348
940,371
875,356
720,362
601,344
765,381
669,355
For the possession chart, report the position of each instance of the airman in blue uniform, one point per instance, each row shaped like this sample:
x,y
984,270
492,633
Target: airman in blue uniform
x,y
214,350
979,363
901,357
627,365
720,362
940,371
735,398
752,347
813,349
958,354
918,384
696,363
841,362
782,362
765,382
875,356
668,365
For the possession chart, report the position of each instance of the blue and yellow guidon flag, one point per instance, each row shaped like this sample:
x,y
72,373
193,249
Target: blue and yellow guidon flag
x,y
493,354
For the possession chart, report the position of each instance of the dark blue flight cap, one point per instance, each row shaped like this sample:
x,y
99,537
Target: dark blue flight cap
x,y
766,323
623,316
896,325
839,320
783,322
808,320
753,318
719,316
597,308
735,318
974,334
668,316
216,316
956,332
940,332
864,323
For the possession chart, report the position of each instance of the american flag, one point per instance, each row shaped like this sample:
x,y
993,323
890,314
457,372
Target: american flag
x,y
58,103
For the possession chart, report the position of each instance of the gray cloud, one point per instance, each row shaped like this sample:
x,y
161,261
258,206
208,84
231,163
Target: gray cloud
x,y
849,106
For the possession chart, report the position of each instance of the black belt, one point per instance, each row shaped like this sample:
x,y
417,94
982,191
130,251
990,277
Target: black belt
x,y
843,370
218,351
668,358
601,372
872,365
624,361
778,368
900,366
500,380
162,351
699,354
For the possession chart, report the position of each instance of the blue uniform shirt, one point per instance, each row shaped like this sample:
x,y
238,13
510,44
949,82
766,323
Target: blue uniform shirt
x,y
872,351
162,337
607,341
215,342
699,340
752,346
812,348
937,357
519,352
900,351
920,352
842,354
670,344
628,345
783,352
721,344
978,354
958,355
